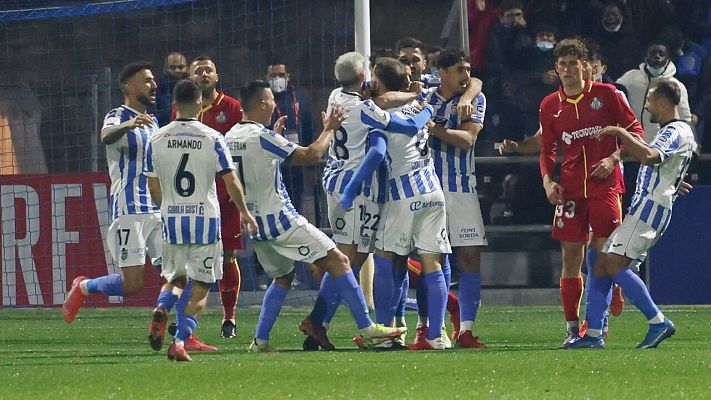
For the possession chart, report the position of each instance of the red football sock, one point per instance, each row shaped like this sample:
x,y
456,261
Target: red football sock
x,y
452,304
229,289
571,291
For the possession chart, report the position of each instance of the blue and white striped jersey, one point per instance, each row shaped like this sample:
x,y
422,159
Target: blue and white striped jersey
x,y
185,155
349,143
125,157
454,166
408,161
657,185
430,80
258,154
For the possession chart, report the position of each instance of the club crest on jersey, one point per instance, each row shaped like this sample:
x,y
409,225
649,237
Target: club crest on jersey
x,y
596,103
221,118
124,254
560,223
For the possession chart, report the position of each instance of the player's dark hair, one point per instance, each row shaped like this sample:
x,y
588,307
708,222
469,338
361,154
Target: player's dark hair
x,y
546,28
202,57
435,49
449,57
381,52
594,53
667,89
391,73
409,42
510,5
571,47
186,91
131,69
251,93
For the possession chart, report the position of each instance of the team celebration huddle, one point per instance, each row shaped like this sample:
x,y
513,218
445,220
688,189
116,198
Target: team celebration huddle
x,y
400,183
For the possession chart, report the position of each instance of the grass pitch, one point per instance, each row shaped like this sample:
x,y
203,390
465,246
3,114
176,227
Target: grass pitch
x,y
104,354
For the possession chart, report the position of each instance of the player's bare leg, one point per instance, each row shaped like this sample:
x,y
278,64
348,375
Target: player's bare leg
x,y
571,286
469,295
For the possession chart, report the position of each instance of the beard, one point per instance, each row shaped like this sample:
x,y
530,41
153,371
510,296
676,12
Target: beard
x,y
146,100
207,91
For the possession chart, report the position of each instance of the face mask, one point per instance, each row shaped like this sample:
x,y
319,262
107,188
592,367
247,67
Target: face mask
x,y
613,28
545,46
654,72
277,84
598,77
434,71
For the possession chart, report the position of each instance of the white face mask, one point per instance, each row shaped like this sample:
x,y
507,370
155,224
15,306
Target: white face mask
x,y
277,84
598,77
655,72
545,46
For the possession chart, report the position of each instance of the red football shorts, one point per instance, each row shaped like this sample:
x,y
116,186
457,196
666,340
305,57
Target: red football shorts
x,y
229,220
574,219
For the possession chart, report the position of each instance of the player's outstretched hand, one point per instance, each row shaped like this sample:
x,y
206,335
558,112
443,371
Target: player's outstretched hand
x,y
280,124
249,224
141,120
603,168
684,188
333,121
610,131
554,193
508,146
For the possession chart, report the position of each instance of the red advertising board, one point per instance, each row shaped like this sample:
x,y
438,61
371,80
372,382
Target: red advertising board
x,y
54,229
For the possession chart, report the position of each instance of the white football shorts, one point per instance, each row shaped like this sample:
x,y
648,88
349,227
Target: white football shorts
x,y
304,243
131,235
200,262
418,222
357,226
464,221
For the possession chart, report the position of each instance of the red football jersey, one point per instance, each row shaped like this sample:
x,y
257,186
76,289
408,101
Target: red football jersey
x,y
222,115
571,123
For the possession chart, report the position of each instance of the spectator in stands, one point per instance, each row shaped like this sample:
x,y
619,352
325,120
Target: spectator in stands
x,y
701,23
482,15
656,65
567,15
689,58
174,69
432,56
298,127
617,41
507,41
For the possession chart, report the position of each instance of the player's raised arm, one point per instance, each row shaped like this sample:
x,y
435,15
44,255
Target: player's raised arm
x,y
376,154
529,145
634,147
465,106
312,153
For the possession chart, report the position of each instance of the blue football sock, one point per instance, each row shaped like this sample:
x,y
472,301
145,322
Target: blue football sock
x,y
352,295
597,303
469,295
186,327
323,300
183,302
436,302
110,285
400,310
590,258
634,288
273,300
383,290
447,271
421,297
399,275
166,299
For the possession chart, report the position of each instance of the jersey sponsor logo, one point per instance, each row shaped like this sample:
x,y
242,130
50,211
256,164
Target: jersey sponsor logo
x,y
556,115
442,121
184,144
221,117
198,209
596,104
304,250
580,133
402,242
207,262
419,164
419,205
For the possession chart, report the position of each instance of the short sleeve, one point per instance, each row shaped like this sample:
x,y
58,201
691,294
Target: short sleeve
x,y
224,158
113,118
479,109
372,115
275,145
667,142
149,165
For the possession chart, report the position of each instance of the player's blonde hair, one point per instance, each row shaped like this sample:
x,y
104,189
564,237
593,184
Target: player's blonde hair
x,y
349,67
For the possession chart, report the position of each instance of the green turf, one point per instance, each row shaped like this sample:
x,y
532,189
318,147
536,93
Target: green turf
x,y
104,354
